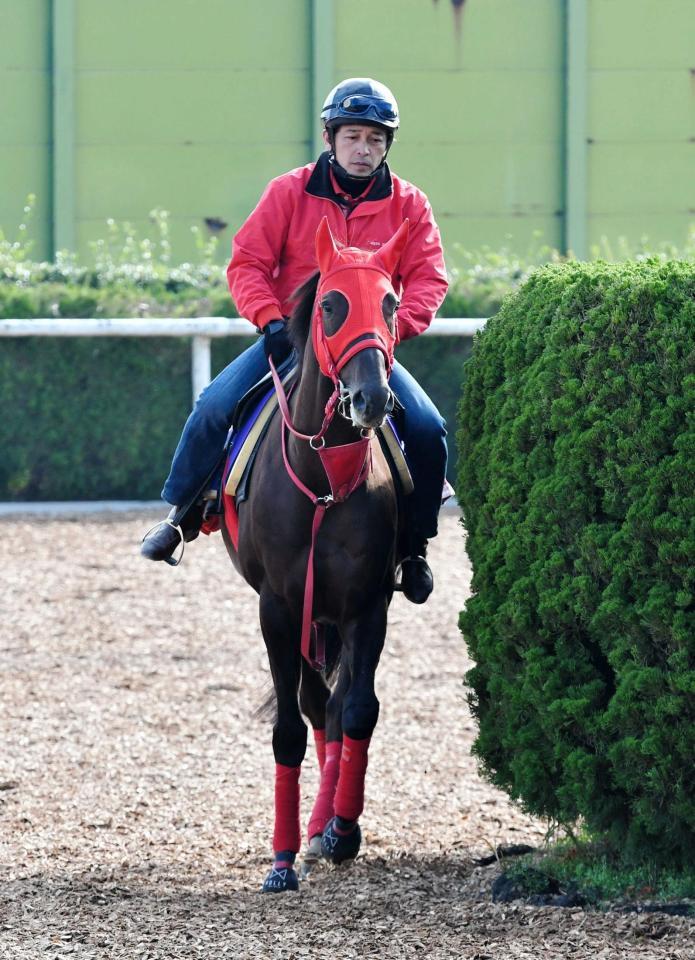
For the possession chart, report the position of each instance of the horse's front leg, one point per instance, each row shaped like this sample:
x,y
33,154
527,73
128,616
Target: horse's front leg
x,y
281,635
363,641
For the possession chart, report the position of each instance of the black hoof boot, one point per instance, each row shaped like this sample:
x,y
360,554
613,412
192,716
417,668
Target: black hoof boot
x,y
341,840
282,875
417,581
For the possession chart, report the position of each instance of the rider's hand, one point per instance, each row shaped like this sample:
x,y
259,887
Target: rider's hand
x,y
276,341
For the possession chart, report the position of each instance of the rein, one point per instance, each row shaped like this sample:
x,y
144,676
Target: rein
x,y
346,467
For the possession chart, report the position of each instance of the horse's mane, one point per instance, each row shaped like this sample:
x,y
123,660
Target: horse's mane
x,y
300,320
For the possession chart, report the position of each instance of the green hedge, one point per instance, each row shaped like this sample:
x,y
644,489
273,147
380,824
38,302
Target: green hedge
x,y
577,482
100,418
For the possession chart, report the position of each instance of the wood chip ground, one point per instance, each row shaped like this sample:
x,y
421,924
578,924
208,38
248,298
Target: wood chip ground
x,y
136,784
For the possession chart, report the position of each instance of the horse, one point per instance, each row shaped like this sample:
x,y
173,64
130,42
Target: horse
x,y
318,539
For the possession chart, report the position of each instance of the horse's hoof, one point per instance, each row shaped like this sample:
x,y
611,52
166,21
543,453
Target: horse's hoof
x,y
340,843
311,857
280,879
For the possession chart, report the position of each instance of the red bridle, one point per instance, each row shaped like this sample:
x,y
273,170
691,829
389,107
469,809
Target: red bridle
x,y
364,285
364,279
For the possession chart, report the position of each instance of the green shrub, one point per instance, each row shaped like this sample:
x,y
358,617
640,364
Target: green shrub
x,y
577,467
94,418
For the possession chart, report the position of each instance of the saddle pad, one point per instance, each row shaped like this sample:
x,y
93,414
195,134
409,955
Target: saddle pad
x,y
245,439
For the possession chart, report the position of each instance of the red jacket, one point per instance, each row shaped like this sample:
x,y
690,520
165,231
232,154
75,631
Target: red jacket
x,y
273,252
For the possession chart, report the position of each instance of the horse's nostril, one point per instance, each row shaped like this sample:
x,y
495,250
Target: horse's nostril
x,y
359,401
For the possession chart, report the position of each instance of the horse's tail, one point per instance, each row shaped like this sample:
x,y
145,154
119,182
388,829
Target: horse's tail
x,y
334,647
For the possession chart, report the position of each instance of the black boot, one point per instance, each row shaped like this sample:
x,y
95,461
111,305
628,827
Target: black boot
x,y
160,542
417,581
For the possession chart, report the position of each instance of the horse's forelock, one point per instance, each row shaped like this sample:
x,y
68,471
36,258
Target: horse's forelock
x,y
300,320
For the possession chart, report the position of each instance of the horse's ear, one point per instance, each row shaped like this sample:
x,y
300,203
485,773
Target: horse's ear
x,y
390,253
326,250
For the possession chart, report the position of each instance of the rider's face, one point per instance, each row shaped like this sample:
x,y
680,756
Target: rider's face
x,y
359,148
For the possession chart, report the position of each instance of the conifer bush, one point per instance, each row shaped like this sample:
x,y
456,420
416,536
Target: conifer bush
x,y
577,483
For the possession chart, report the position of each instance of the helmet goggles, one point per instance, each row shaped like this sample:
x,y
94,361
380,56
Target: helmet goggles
x,y
361,105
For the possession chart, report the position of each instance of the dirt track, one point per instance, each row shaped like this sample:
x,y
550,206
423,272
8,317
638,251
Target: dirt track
x,y
136,786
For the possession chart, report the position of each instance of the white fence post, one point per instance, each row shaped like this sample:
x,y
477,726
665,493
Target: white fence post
x,y
201,374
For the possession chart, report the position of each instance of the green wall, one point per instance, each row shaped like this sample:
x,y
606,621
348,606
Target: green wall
x,y
190,105
193,105
481,101
641,123
25,117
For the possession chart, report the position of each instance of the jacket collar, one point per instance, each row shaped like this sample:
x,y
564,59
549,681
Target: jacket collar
x,y
319,183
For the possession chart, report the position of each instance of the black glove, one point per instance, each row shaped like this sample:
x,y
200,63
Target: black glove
x,y
276,341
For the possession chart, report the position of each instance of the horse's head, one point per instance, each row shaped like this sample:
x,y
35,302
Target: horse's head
x,y
354,328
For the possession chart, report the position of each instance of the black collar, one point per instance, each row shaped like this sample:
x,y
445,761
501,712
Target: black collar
x,y
319,183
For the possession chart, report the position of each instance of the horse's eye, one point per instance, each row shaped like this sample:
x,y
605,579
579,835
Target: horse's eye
x,y
326,307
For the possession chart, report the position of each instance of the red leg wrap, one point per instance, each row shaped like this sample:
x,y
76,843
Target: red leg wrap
x,y
323,807
287,834
349,797
320,741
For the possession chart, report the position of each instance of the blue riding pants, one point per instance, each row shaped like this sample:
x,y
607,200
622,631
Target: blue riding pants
x,y
420,427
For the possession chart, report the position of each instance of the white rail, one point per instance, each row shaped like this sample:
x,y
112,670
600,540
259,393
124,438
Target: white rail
x,y
200,329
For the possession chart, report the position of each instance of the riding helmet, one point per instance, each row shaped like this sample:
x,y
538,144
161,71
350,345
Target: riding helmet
x,y
361,100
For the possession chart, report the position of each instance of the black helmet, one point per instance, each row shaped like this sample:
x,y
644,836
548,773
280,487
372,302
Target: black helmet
x,y
361,100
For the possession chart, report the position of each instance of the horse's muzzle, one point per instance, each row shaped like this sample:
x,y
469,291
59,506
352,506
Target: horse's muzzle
x,y
369,406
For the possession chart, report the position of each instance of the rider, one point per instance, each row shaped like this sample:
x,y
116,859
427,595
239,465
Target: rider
x,y
273,254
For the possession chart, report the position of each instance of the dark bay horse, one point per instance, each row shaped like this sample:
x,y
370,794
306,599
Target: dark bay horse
x,y
318,542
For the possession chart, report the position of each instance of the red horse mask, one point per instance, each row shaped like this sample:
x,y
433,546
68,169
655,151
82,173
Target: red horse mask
x,y
364,279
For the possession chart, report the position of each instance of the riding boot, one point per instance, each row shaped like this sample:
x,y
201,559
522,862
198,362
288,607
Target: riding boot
x,y
417,581
181,525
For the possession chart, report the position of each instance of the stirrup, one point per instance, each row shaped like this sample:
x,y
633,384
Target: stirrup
x,y
398,585
172,561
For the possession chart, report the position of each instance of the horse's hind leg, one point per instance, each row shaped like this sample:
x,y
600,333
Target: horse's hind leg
x,y
313,697
363,641
289,738
322,706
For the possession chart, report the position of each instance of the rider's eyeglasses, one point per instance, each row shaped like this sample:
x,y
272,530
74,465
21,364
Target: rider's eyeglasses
x,y
359,105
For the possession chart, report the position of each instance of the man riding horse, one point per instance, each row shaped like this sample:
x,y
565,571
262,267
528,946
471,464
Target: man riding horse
x,y
273,254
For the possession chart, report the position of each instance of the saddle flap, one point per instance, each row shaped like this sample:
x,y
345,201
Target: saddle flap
x,y
391,445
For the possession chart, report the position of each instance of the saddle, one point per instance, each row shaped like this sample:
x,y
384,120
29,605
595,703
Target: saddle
x,y
252,418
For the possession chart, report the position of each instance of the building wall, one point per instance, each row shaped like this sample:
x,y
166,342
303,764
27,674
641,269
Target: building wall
x,y
193,105
641,127
480,93
25,118
189,105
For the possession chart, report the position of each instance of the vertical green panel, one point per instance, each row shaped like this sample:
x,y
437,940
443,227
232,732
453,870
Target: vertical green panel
x,y
480,93
576,90
641,124
63,124
322,62
25,130
194,111
642,34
